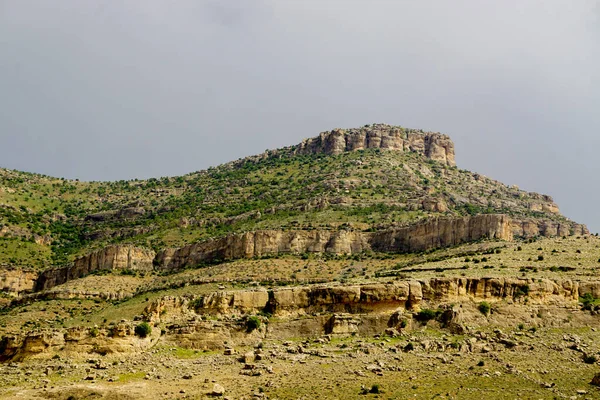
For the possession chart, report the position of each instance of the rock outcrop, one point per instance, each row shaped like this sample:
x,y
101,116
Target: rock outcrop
x,y
115,338
122,257
442,232
374,297
531,227
260,243
308,311
15,281
430,234
435,146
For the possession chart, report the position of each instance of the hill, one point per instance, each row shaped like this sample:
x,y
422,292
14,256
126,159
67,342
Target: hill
x,y
360,257
371,179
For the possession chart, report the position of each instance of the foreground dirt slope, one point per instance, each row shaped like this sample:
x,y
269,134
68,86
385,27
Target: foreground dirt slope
x,y
520,361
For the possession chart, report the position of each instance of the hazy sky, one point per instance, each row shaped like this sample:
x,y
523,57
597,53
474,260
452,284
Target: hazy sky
x,y
105,90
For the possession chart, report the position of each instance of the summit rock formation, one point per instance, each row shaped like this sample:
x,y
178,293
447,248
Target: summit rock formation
x,y
432,145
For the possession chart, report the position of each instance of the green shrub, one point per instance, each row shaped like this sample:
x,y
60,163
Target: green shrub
x,y
522,291
252,323
94,332
590,359
426,315
375,389
484,307
142,330
589,301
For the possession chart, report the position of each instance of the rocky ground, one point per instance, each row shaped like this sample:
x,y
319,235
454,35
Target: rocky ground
x,y
513,363
534,344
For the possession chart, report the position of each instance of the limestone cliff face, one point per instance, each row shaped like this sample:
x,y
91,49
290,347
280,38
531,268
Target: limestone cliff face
x,y
430,234
443,232
116,338
257,244
374,297
432,145
109,258
532,227
337,309
15,281
438,232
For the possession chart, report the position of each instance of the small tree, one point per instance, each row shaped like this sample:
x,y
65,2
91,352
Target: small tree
x,y
484,307
252,323
142,330
426,315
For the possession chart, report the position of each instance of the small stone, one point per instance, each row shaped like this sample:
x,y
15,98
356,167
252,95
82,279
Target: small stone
x,y
229,352
249,357
218,390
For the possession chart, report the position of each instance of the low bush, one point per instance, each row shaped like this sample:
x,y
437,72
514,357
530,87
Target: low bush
x,y
143,330
484,307
252,323
590,359
427,315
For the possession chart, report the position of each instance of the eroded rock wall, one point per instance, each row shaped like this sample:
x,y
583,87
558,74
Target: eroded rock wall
x,y
532,227
110,258
435,146
260,243
15,281
442,232
430,234
373,297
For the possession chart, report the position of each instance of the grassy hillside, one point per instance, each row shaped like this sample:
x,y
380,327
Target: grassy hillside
x,y
47,221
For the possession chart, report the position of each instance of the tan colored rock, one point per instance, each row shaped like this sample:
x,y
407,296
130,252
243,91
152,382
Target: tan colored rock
x,y
250,300
119,257
16,281
429,234
342,324
432,145
442,232
218,390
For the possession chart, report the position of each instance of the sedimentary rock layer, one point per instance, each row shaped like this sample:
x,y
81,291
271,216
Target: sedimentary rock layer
x,y
435,146
336,309
374,297
431,234
15,281
124,257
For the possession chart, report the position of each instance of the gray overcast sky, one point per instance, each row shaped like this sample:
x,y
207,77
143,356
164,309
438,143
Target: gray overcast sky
x,y
106,90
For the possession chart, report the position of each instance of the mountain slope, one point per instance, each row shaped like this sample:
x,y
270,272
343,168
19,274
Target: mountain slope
x,y
378,178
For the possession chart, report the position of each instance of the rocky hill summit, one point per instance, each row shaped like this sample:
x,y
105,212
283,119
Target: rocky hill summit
x,y
434,146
